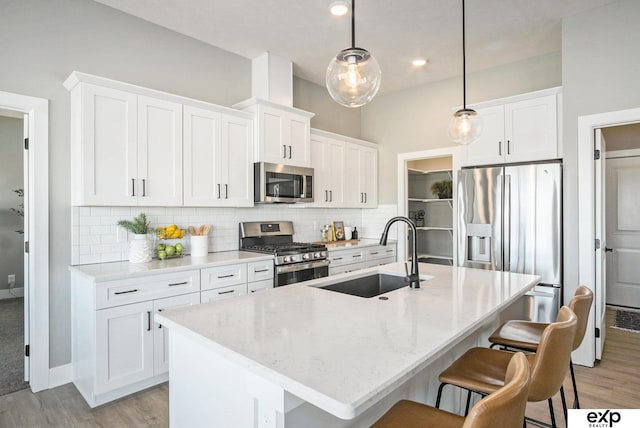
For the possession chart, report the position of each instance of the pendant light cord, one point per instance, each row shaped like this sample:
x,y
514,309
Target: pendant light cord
x,y
464,64
353,24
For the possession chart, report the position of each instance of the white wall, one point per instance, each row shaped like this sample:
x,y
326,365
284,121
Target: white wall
x,y
600,69
11,255
417,119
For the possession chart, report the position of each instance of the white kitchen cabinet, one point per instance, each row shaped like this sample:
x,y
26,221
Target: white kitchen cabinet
x,y
218,159
361,176
126,149
222,282
124,346
223,293
351,259
115,350
282,133
518,129
328,156
161,334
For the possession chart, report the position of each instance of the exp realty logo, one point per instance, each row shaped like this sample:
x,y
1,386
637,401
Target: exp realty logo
x,y
604,418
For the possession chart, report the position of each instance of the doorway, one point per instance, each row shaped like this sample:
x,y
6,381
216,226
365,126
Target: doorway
x,y
12,375
622,205
35,112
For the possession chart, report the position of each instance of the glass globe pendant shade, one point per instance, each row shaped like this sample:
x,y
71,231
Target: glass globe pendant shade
x,y
465,127
353,77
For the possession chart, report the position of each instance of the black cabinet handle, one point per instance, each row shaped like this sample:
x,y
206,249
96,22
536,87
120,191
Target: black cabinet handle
x,y
144,187
330,195
499,148
173,284
225,276
218,190
326,196
284,151
159,325
289,152
148,320
508,147
226,292
226,191
373,253
262,270
337,258
608,250
355,256
133,187
126,292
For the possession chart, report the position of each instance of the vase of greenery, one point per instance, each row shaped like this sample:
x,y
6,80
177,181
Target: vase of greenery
x,y
139,246
442,189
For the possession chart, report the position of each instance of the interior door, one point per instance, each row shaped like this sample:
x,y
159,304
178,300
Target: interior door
x,y
600,254
25,236
623,231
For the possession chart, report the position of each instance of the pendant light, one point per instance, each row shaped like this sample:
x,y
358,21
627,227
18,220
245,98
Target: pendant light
x,y
467,124
353,76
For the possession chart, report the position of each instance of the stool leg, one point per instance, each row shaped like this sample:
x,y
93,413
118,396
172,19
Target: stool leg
x,y
466,409
553,416
439,395
564,405
576,401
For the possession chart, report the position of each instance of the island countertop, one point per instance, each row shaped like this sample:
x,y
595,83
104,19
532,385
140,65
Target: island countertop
x,y
343,353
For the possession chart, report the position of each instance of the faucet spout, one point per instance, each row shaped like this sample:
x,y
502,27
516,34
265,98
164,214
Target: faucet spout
x,y
414,276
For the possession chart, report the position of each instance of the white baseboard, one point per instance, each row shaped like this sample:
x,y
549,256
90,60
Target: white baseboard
x,y
60,375
10,293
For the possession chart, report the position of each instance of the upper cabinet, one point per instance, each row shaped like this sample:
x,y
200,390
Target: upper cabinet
x,y
282,133
361,176
328,156
517,129
127,145
217,159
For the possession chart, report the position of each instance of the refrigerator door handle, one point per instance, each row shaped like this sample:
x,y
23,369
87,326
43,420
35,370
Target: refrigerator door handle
x,y
506,224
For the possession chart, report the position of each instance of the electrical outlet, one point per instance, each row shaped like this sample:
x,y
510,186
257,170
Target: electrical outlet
x,y
11,279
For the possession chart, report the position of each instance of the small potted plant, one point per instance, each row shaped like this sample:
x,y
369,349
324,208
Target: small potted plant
x,y
442,189
139,246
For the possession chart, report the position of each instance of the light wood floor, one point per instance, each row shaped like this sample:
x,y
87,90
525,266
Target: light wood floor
x,y
613,383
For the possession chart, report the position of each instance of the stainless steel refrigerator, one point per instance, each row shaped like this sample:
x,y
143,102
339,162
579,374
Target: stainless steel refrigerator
x,y
510,219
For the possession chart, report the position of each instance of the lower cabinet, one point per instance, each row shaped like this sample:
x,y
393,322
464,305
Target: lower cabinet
x,y
349,260
117,347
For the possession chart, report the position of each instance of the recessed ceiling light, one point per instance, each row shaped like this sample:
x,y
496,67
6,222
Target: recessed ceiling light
x,y
419,62
339,8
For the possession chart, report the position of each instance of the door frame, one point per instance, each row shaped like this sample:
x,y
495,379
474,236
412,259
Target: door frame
x,y
586,353
402,193
37,205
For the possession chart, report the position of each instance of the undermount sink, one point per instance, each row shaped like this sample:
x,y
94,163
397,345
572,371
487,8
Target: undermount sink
x,y
369,286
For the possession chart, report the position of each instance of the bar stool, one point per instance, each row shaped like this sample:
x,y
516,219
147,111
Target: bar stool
x,y
506,405
482,370
525,335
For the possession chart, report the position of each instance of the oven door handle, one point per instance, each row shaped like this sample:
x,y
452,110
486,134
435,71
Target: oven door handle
x,y
301,266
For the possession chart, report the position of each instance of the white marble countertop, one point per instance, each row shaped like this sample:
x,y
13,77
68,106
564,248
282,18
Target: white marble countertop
x,y
118,270
349,245
343,353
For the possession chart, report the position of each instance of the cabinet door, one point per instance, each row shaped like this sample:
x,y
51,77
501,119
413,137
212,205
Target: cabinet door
x,y
369,176
124,345
202,129
321,174
271,131
236,169
328,162
353,196
336,158
531,130
159,153
161,334
491,146
298,140
107,147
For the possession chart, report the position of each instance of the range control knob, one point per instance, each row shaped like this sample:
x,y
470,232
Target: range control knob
x,y
317,255
306,256
286,258
294,258
323,253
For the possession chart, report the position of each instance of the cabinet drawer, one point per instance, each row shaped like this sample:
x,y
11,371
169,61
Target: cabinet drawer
x,y
257,286
122,292
223,293
335,270
381,252
259,271
341,258
224,276
380,262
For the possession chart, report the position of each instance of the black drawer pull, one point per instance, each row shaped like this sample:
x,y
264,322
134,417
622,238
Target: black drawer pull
x,y
262,270
126,292
226,292
159,325
338,258
373,253
356,255
226,276
178,283
389,251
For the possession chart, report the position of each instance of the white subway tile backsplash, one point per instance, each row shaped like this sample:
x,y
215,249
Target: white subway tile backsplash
x,y
97,239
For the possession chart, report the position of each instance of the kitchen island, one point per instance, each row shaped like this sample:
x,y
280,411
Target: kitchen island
x,y
303,356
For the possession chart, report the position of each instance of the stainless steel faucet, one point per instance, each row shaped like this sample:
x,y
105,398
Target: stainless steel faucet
x,y
414,276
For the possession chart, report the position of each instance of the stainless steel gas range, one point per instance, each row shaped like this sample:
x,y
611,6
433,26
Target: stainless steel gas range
x,y
294,261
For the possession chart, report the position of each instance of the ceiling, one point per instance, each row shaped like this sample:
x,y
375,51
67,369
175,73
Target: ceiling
x,y
394,31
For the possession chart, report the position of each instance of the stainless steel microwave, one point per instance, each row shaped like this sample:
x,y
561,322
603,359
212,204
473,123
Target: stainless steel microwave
x,y
277,183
